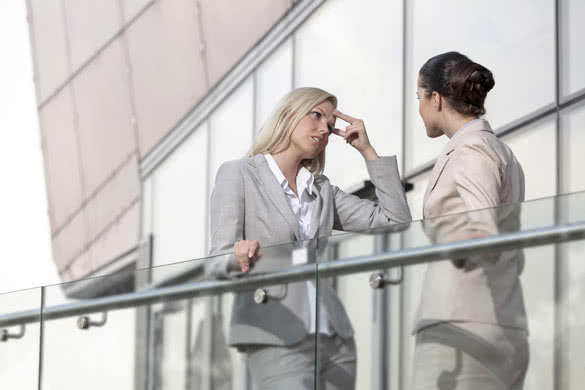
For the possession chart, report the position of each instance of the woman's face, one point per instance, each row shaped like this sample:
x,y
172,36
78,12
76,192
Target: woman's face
x,y
428,110
311,134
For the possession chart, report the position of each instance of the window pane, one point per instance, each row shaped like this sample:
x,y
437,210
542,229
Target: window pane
x,y
535,148
520,55
573,160
231,128
572,46
573,141
179,202
273,81
354,50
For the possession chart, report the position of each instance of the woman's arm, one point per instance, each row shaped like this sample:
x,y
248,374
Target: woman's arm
x,y
478,183
227,210
355,214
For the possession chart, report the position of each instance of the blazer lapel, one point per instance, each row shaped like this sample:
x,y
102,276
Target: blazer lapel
x,y
275,193
437,171
316,212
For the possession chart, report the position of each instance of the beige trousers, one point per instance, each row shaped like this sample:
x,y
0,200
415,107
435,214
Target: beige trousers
x,y
470,356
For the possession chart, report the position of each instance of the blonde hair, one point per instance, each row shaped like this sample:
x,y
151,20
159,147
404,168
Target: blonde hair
x,y
275,134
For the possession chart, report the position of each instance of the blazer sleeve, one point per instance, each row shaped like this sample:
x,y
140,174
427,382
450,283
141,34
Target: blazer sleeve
x,y
477,176
478,182
227,211
355,214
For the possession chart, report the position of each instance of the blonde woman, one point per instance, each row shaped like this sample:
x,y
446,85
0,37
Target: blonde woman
x,y
279,195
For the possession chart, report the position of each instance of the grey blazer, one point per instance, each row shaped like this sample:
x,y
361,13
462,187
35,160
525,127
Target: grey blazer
x,y
248,203
474,171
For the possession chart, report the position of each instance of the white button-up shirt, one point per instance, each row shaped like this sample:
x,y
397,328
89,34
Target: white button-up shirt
x,y
302,207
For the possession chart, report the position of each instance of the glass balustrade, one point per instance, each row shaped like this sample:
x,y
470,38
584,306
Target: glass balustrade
x,y
494,295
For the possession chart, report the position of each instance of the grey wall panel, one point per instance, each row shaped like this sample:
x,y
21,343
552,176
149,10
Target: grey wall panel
x,y
113,198
90,24
104,112
131,8
70,243
120,237
62,165
231,28
50,50
168,77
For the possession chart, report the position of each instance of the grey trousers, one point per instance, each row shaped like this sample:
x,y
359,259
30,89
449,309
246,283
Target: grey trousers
x,y
470,356
284,368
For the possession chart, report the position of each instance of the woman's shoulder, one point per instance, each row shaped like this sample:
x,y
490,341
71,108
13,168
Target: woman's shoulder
x,y
233,167
240,163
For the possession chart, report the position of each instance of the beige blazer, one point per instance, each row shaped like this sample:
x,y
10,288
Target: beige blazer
x,y
475,171
248,203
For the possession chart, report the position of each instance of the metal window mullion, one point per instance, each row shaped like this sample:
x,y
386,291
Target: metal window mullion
x,y
41,341
559,268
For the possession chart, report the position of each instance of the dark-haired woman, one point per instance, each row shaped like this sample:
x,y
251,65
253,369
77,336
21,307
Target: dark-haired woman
x,y
471,328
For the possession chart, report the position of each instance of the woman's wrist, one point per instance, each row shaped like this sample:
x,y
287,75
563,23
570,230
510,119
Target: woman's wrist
x,y
370,153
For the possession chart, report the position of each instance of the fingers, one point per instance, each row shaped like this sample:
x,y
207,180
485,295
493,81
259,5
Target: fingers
x,y
339,132
252,248
351,134
246,253
345,117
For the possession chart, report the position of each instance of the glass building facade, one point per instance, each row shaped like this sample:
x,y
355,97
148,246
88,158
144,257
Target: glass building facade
x,y
176,115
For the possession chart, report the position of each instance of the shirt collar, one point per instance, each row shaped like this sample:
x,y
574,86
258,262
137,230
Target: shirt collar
x,y
305,178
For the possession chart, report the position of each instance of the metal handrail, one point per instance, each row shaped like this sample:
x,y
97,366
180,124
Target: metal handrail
x,y
407,257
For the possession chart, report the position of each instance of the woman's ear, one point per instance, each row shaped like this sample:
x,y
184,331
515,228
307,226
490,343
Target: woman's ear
x,y
437,100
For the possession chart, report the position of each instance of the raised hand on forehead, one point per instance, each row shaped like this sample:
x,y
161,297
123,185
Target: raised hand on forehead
x,y
355,134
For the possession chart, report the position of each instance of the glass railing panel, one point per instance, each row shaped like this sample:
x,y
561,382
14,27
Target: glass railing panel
x,y
267,325
201,333
506,291
571,316
95,350
533,214
20,346
343,298
204,324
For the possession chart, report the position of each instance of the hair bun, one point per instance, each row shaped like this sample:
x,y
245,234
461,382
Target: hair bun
x,y
464,83
471,83
480,80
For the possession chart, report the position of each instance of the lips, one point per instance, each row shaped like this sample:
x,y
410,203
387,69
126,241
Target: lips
x,y
317,140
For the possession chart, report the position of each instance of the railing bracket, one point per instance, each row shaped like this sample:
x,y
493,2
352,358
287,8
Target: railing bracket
x,y
85,322
5,335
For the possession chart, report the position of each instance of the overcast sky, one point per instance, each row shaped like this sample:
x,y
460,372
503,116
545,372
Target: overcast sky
x,y
25,251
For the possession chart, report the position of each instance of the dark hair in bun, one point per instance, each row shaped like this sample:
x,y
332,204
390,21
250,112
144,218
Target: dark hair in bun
x,y
462,82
